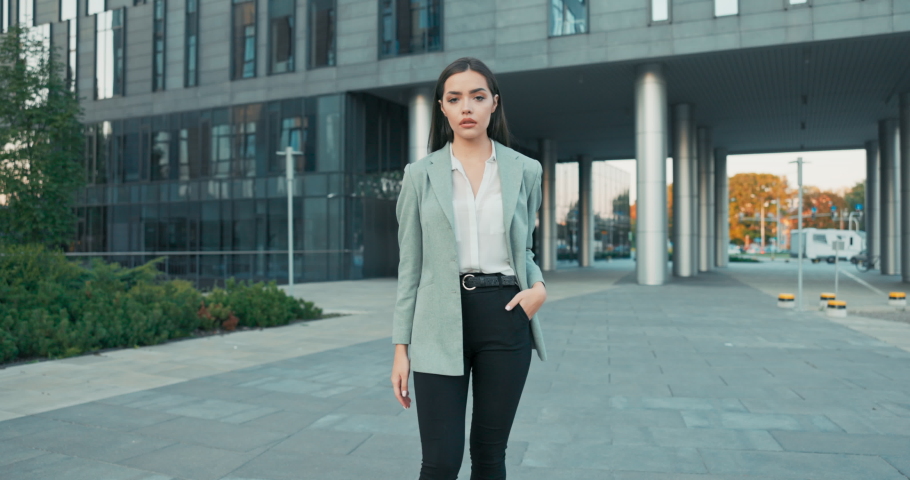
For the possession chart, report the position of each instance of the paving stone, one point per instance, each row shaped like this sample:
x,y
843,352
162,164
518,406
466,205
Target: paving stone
x,y
799,465
114,417
822,442
212,433
53,466
91,442
191,461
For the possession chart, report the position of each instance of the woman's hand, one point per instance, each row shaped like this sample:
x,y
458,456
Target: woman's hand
x,y
530,300
401,368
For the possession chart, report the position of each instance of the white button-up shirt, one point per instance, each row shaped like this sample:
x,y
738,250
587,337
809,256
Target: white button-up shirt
x,y
480,234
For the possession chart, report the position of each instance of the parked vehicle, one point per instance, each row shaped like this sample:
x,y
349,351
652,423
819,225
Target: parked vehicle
x,y
818,244
734,249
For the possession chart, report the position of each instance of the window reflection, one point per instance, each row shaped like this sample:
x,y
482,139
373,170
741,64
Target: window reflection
x,y
409,26
160,160
95,6
109,41
158,60
568,17
724,8
322,33
660,11
4,15
281,35
244,39
26,10
191,55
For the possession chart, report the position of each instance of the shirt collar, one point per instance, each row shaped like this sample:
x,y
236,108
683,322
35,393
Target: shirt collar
x,y
456,164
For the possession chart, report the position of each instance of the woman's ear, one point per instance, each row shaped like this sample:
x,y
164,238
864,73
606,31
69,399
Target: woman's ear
x,y
441,109
495,102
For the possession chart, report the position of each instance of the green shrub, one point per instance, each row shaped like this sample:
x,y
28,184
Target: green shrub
x,y
261,304
53,307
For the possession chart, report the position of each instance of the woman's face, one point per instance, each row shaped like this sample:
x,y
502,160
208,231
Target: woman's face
x,y
467,104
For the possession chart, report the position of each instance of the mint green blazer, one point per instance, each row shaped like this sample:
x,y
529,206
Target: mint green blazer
x,y
428,305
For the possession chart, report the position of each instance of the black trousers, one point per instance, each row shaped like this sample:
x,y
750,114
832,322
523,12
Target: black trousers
x,y
497,350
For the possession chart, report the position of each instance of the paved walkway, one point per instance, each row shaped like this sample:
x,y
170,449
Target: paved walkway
x,y
699,379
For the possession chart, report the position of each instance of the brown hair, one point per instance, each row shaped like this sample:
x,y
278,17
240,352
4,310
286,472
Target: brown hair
x,y
440,131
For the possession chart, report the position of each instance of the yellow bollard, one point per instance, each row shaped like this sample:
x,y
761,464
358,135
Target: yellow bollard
x,y
897,299
837,308
786,300
824,299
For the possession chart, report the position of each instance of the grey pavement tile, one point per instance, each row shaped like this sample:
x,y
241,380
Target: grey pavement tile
x,y
372,406
823,442
758,421
211,409
283,421
110,416
401,425
330,442
54,466
212,433
27,425
11,453
799,465
273,465
713,438
206,388
901,463
91,442
613,457
191,461
248,415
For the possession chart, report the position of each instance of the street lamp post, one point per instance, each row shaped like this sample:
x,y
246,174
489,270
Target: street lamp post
x,y
799,245
289,153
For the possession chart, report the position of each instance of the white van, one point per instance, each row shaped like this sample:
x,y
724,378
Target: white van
x,y
818,244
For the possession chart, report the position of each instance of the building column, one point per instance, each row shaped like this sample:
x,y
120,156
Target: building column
x,y
684,224
420,115
693,187
721,209
904,197
889,188
585,212
651,167
705,200
546,232
871,210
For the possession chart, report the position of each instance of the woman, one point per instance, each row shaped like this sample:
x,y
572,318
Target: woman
x,y
468,287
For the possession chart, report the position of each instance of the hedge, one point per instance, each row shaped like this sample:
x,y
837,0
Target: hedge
x,y
51,307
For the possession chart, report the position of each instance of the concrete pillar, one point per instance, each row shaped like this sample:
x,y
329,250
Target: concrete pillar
x,y
585,212
684,224
696,208
904,197
420,114
546,232
890,189
721,209
871,210
705,200
651,168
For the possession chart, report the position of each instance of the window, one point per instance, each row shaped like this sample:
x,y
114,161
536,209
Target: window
x,y
68,14
281,35
109,41
221,151
244,40
158,61
660,11
4,15
160,161
191,56
93,7
409,26
568,17
26,10
322,33
723,8
797,2
819,238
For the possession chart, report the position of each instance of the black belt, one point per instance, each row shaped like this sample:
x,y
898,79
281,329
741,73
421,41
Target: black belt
x,y
470,281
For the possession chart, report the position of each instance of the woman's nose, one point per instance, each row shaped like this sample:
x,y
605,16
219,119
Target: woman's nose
x,y
465,106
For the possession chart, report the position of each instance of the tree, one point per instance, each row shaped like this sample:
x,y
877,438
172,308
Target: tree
x,y
822,202
857,196
42,139
749,192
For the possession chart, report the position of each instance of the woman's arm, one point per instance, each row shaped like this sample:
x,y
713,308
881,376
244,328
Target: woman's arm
x,y
534,200
410,246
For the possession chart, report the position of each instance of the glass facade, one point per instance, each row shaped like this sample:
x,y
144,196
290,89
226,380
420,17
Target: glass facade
x,y
26,11
69,15
109,53
243,39
282,20
158,38
4,15
93,7
610,203
723,8
409,26
568,17
191,45
321,33
207,190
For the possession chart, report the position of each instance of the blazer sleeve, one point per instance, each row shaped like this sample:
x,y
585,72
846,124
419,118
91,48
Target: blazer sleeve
x,y
410,247
533,271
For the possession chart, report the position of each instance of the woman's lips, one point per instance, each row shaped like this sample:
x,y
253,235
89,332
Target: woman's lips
x,y
467,123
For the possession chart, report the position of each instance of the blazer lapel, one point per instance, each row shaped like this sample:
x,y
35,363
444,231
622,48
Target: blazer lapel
x,y
440,172
511,173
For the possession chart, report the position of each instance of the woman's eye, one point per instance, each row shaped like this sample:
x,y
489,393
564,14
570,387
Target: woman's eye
x,y
452,100
479,98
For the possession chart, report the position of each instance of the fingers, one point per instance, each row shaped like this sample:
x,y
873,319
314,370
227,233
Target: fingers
x,y
400,389
405,393
514,301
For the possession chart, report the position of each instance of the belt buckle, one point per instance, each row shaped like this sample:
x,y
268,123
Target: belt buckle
x,y
462,282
